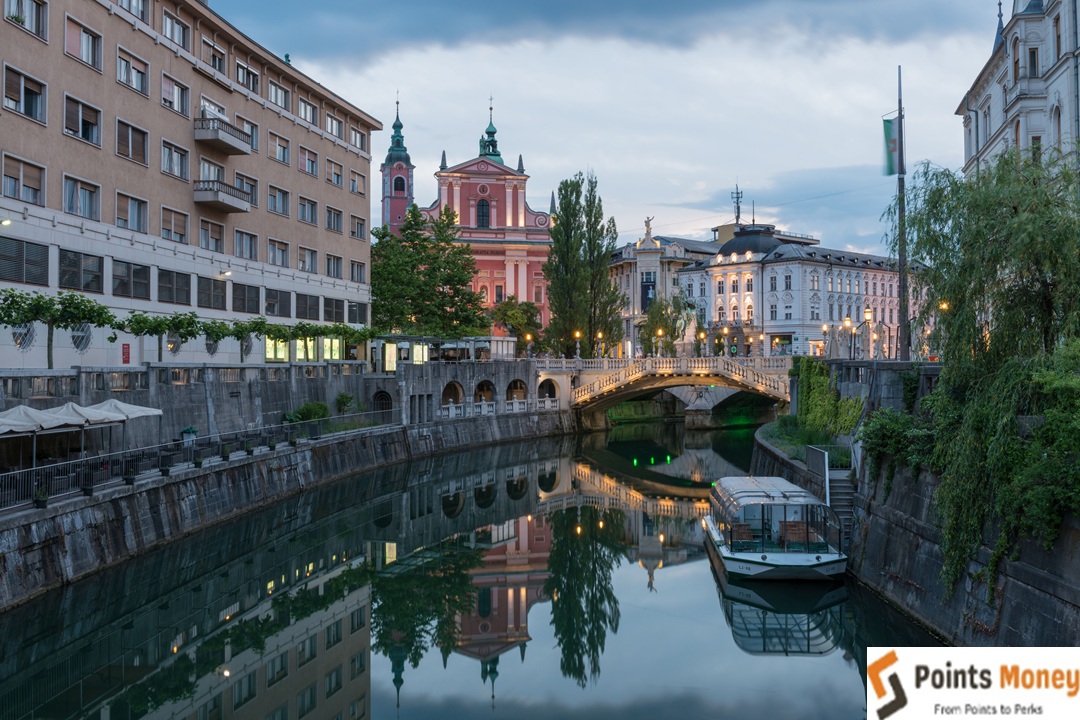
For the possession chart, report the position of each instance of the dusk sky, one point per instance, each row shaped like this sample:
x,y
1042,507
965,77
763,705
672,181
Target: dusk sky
x,y
669,104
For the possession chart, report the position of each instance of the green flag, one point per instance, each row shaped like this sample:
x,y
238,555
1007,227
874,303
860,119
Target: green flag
x,y
892,146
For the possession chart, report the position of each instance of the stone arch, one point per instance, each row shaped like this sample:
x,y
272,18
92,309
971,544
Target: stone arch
x,y
399,184
485,392
548,481
382,402
384,514
516,390
548,390
453,394
485,496
516,488
453,504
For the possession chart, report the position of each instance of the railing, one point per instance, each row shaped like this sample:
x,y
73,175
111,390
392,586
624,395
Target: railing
x,y
87,475
516,406
222,187
213,123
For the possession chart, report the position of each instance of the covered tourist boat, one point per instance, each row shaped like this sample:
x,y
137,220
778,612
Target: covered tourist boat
x,y
766,528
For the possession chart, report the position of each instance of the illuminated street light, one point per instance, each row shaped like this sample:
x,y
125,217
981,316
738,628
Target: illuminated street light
x,y
577,343
658,342
704,349
529,340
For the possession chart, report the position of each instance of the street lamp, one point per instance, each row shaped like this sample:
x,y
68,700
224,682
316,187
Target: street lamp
x,y
761,338
659,342
528,349
824,338
577,343
868,315
600,341
704,348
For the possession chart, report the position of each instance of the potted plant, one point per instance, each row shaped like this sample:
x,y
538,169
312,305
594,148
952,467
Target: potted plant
x,y
226,450
41,496
249,446
272,443
17,18
189,434
129,472
198,461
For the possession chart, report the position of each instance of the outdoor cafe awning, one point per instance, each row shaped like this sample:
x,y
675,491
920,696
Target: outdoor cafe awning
x,y
23,419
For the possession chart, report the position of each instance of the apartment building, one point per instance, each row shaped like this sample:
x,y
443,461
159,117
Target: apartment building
x,y
157,159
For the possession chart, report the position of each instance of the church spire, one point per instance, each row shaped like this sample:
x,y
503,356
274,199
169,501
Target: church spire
x,y
521,165
442,165
999,38
489,146
397,140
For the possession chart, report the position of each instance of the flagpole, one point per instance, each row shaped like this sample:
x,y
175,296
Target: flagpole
x,y
901,227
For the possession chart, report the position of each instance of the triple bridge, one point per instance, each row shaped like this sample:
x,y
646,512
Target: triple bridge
x,y
601,383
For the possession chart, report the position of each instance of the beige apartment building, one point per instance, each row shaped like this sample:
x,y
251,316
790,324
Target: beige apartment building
x,y
157,159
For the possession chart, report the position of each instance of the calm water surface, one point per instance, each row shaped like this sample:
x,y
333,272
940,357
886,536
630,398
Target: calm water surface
x,y
557,578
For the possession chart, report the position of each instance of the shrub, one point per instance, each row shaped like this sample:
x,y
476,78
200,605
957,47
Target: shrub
x,y
309,411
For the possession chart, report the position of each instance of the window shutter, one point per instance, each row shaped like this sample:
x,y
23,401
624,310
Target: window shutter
x,y
71,116
32,177
33,85
138,149
11,85
122,204
123,139
73,39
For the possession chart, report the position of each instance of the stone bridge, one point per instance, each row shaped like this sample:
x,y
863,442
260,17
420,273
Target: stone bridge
x,y
601,384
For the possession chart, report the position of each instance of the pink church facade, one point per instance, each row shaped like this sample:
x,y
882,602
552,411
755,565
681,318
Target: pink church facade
x,y
509,240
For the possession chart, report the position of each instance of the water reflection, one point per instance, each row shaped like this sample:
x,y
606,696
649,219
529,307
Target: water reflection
x,y
424,585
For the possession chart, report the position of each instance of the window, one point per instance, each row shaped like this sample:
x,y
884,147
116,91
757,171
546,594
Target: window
x,y
24,95
83,44
214,56
245,298
247,77
175,95
307,211
251,129
483,214
720,287
305,701
333,266
24,262
30,14
23,181
538,294
333,680
1057,37
308,112
279,713
278,95
334,127
750,314
333,219
357,227
178,32
357,313
82,121
333,634
81,198
243,690
1016,59
787,312
749,285
358,138
278,303
211,236
307,650
814,282
130,280
210,170
308,161
246,245
690,288
135,7
787,283
211,293
1033,62
79,271
772,312
279,148
277,253
248,185
130,142
131,71
772,283
211,709
499,294
334,173
357,272
734,285
278,201
399,184
357,665
174,287
307,260
307,307
174,225
174,160
131,213
357,620
333,310
357,183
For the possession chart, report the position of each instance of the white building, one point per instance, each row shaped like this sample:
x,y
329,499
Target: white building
x,y
1026,95
768,292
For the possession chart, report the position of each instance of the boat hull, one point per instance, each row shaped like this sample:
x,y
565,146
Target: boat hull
x,y
779,566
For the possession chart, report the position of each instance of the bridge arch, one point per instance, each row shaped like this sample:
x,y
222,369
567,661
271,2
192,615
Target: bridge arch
x,y
548,390
516,390
485,392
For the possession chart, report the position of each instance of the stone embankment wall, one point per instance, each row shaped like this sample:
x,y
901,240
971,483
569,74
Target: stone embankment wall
x,y
77,536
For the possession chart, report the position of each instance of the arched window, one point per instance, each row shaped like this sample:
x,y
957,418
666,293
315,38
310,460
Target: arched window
x,y
749,314
399,184
1016,59
483,214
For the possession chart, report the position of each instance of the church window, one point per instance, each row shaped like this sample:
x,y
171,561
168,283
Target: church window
x,y
483,214
399,184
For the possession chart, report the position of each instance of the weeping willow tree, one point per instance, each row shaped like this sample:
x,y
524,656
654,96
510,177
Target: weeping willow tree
x,y
586,547
999,287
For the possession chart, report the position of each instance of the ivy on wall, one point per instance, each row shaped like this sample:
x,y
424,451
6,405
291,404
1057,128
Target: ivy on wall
x,y
820,406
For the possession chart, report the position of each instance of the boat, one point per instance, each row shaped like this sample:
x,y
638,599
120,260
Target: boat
x,y
766,528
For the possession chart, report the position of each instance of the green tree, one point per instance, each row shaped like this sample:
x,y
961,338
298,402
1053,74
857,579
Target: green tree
x,y
424,280
182,326
672,317
998,273
63,311
520,319
581,295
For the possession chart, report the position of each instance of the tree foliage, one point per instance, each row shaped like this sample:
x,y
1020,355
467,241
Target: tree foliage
x,y
63,311
1001,278
424,281
673,317
581,295
520,319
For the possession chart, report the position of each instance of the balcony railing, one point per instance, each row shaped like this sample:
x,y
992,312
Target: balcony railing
x,y
222,196
223,135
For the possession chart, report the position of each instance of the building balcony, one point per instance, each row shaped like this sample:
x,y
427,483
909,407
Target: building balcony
x,y
222,135
219,195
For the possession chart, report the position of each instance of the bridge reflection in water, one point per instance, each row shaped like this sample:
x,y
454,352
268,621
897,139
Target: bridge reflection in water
x,y
322,603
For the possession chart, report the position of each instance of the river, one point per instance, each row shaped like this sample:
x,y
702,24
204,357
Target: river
x,y
555,578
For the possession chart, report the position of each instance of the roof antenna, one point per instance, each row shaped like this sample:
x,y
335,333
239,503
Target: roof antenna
x,y
737,199
753,212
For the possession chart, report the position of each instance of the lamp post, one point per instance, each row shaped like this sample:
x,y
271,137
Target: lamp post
x,y
658,347
704,349
761,339
725,331
868,315
577,343
824,339
600,342
528,347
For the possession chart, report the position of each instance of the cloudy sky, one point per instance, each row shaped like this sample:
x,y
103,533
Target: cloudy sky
x,y
670,104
